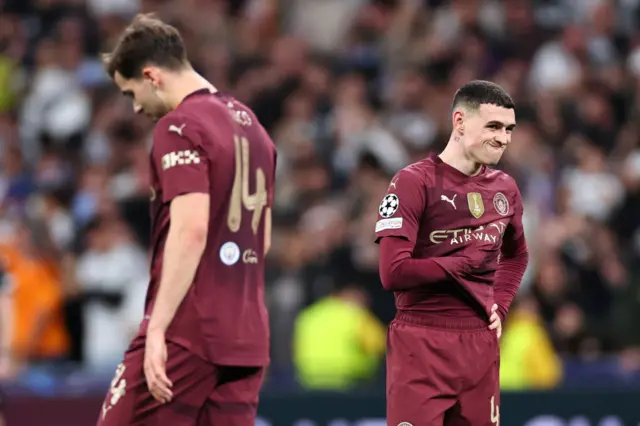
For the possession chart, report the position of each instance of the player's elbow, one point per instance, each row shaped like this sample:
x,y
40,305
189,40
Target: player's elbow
x,y
391,263
389,277
190,220
194,235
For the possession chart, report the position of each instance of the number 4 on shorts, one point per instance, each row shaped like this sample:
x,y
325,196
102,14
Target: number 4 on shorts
x,y
495,412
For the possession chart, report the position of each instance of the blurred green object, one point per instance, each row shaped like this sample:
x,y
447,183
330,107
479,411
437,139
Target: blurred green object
x,y
7,84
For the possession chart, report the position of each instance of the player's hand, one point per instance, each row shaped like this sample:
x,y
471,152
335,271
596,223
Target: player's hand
x,y
155,361
496,323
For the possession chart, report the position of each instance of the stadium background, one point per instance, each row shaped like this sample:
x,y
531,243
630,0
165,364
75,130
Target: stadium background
x,y
351,91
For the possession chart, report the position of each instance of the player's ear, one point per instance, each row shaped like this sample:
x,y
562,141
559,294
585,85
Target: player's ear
x,y
458,121
152,75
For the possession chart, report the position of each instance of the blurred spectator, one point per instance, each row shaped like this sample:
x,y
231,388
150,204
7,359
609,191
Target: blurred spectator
x,y
37,327
112,280
7,366
338,343
527,356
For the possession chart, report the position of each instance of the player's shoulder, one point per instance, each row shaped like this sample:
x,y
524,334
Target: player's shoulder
x,y
502,180
420,172
238,111
245,118
177,122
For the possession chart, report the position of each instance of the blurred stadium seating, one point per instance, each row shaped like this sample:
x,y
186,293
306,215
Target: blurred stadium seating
x,y
351,91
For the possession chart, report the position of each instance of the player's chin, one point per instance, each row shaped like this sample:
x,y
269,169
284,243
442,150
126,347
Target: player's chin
x,y
492,155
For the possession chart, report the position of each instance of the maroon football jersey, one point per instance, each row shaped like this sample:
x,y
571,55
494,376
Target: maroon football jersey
x,y
213,144
445,213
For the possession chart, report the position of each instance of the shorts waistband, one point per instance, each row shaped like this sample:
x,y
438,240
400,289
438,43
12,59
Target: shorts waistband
x,y
431,319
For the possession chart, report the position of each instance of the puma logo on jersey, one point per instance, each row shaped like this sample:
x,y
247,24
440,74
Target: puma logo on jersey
x,y
393,184
176,129
451,201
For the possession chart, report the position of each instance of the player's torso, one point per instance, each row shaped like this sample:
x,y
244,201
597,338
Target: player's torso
x,y
227,296
460,213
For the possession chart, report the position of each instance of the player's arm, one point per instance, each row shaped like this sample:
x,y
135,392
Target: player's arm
x,y
396,232
513,261
185,244
183,168
399,270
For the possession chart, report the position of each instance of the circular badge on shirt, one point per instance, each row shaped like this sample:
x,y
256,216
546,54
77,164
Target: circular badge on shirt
x,y
501,204
389,205
229,253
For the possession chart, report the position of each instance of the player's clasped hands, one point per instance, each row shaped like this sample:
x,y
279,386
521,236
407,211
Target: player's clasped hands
x,y
155,361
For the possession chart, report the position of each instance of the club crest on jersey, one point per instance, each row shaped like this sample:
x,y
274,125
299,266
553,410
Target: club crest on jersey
x,y
389,205
501,204
476,206
229,253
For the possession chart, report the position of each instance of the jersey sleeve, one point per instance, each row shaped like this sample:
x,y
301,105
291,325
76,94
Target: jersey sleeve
x,y
180,159
402,207
514,240
513,261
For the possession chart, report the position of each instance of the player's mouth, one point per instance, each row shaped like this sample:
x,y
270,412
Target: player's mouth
x,y
497,145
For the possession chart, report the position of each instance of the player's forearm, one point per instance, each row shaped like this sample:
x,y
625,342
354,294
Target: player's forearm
x,y
400,271
183,250
507,280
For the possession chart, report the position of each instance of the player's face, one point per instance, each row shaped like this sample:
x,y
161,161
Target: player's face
x,y
487,132
145,95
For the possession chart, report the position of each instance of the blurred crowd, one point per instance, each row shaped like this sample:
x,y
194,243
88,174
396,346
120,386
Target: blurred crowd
x,y
351,91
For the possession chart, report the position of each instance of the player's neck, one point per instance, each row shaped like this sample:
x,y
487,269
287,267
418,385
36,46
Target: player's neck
x,y
185,83
456,158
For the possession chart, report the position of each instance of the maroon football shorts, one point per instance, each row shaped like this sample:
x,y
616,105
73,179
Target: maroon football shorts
x,y
442,372
204,394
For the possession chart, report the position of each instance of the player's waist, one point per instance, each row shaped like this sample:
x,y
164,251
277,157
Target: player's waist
x,y
436,319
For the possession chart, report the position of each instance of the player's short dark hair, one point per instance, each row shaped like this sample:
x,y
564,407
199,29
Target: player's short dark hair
x,y
146,41
479,92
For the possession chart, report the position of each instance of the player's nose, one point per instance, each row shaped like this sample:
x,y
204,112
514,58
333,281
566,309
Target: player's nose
x,y
503,138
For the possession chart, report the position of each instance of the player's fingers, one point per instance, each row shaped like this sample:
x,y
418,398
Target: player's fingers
x,y
495,322
162,377
494,307
162,382
155,384
156,395
160,393
153,390
151,383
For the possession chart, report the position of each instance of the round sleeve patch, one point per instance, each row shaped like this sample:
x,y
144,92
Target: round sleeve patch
x,y
389,205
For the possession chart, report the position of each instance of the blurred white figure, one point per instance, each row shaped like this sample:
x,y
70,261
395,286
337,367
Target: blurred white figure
x,y
592,190
113,275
